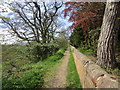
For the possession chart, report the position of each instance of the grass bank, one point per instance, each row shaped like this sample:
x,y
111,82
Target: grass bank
x,y
33,75
73,80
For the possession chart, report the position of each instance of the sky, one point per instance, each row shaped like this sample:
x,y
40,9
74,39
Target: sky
x,y
6,37
4,31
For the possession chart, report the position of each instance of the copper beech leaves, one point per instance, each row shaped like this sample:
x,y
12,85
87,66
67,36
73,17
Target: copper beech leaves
x,y
84,15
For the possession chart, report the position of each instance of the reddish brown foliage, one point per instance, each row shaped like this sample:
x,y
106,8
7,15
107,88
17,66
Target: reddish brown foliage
x,y
86,15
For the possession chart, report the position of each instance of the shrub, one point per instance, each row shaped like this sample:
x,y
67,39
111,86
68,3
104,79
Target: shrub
x,y
86,51
62,43
39,52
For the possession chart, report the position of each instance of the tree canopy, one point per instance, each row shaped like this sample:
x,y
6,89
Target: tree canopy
x,y
37,20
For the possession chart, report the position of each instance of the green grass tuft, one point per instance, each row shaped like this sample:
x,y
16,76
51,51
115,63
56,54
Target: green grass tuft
x,y
73,80
86,51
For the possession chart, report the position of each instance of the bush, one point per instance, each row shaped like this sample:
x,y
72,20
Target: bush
x,y
57,56
62,43
93,40
39,52
86,51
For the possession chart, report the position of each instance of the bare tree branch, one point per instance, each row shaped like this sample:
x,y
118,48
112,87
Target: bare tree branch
x,y
37,18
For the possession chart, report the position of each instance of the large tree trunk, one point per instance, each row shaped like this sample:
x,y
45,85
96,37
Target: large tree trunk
x,y
109,29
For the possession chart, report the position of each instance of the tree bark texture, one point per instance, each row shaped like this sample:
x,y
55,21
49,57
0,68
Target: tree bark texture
x,y
107,39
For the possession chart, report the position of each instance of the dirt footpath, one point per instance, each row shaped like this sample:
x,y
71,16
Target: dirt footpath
x,y
59,80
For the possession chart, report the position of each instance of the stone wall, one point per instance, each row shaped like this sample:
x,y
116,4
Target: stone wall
x,y
91,75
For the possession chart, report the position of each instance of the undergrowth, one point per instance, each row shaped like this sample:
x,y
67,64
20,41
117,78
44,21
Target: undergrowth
x,y
86,51
32,75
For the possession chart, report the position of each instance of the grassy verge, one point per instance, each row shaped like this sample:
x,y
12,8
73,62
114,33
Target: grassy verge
x,y
85,51
88,52
33,75
50,66
73,80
